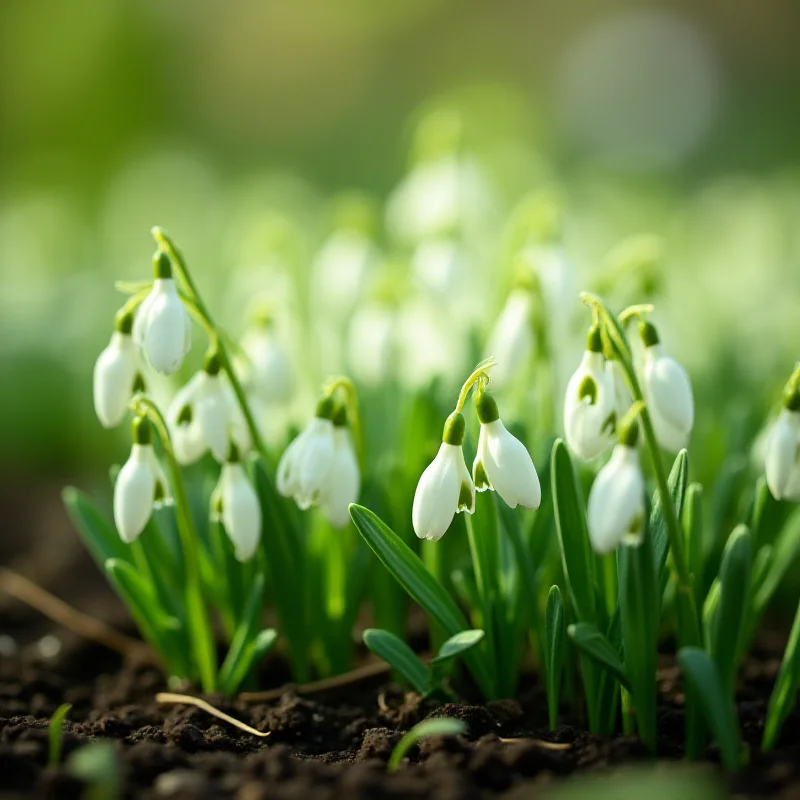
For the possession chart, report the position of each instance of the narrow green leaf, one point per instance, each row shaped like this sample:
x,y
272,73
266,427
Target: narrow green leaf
x,y
639,600
784,693
693,537
255,650
231,674
785,551
285,564
573,537
439,726
156,627
590,641
97,533
734,580
701,672
459,644
710,610
554,651
54,734
400,656
423,588
676,483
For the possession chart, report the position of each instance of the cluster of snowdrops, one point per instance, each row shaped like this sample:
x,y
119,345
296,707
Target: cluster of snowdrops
x,y
618,393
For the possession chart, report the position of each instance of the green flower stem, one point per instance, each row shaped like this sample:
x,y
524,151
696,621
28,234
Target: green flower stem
x,y
200,631
165,242
353,416
683,580
480,373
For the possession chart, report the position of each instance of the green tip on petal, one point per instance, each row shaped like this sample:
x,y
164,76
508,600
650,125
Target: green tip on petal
x,y
588,388
480,477
465,497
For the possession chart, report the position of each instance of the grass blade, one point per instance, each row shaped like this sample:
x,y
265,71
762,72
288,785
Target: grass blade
x,y
726,626
784,693
440,726
693,537
55,734
701,673
554,651
785,551
411,574
590,641
658,526
97,533
232,673
400,656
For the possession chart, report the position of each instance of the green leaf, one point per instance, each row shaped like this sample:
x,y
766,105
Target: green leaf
x,y
784,693
590,641
454,647
156,627
785,551
658,525
693,537
232,672
734,581
553,651
423,588
285,564
639,600
400,656
98,534
701,673
54,734
573,537
256,649
439,726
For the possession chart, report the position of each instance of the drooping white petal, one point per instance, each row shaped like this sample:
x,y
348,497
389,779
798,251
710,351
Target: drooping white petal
x,y
114,376
186,436
165,331
782,460
668,394
241,511
588,421
616,502
213,418
622,400
314,462
508,466
344,482
134,493
437,495
287,477
512,339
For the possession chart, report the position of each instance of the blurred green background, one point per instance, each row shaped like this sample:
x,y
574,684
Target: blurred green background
x,y
231,123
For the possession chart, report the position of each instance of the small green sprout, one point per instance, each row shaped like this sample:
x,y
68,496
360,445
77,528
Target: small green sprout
x,y
439,726
55,734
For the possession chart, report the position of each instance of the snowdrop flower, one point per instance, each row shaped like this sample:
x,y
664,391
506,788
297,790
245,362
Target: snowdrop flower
x,y
589,405
621,395
502,462
235,503
511,340
305,467
162,326
344,481
116,375
445,486
268,368
140,486
782,461
616,512
199,415
667,391
439,265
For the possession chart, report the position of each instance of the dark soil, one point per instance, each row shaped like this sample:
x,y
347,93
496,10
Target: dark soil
x,y
335,744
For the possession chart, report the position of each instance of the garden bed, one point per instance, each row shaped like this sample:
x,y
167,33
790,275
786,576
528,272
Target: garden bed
x,y
335,743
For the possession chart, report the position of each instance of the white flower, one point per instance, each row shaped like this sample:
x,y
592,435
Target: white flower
x,y
590,413
199,418
344,481
667,392
116,377
782,461
304,468
235,503
502,463
622,396
511,340
445,486
268,368
616,502
162,325
140,486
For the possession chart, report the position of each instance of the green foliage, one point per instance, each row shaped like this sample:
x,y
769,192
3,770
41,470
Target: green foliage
x,y
554,652
55,732
785,691
439,726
